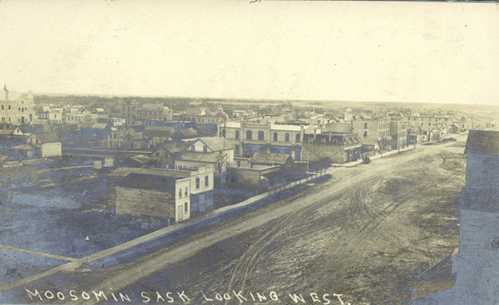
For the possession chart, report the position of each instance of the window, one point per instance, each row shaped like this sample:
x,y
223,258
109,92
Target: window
x,y
286,137
9,107
157,154
185,207
186,191
365,125
323,141
236,149
2,107
298,138
237,134
205,148
180,193
249,135
365,134
260,135
166,155
193,148
206,181
197,183
275,136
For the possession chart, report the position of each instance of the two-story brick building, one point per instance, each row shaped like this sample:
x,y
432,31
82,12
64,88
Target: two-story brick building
x,y
249,138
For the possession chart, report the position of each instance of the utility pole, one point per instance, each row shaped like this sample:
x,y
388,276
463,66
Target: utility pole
x,y
87,239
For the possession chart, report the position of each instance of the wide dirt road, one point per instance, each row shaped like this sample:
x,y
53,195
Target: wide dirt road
x,y
367,233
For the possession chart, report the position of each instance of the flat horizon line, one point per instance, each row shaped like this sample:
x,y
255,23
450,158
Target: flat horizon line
x,y
107,95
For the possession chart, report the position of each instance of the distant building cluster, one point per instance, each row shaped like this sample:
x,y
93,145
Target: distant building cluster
x,y
169,157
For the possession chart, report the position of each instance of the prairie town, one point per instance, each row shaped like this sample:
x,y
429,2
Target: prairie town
x,y
207,169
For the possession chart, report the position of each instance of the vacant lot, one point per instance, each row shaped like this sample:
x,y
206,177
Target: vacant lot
x,y
367,233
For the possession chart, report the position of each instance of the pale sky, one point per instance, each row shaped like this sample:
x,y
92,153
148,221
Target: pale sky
x,y
348,51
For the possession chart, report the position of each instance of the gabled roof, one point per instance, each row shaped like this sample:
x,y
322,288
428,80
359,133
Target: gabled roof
x,y
134,136
93,125
158,132
172,148
216,143
187,131
177,147
201,157
13,95
269,158
47,137
482,142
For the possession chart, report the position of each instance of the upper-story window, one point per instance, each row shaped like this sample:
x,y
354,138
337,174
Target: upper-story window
x,y
298,138
275,136
249,135
186,191
206,181
237,134
260,135
286,137
193,148
365,125
180,192
205,148
197,183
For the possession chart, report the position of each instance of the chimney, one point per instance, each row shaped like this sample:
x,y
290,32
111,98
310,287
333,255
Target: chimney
x,y
6,92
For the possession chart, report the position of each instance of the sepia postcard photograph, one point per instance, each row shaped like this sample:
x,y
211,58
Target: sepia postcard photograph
x,y
249,152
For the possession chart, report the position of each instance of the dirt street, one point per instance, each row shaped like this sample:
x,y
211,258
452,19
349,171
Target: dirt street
x,y
366,233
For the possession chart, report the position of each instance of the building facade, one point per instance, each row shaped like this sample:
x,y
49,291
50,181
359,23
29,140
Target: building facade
x,y
16,108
